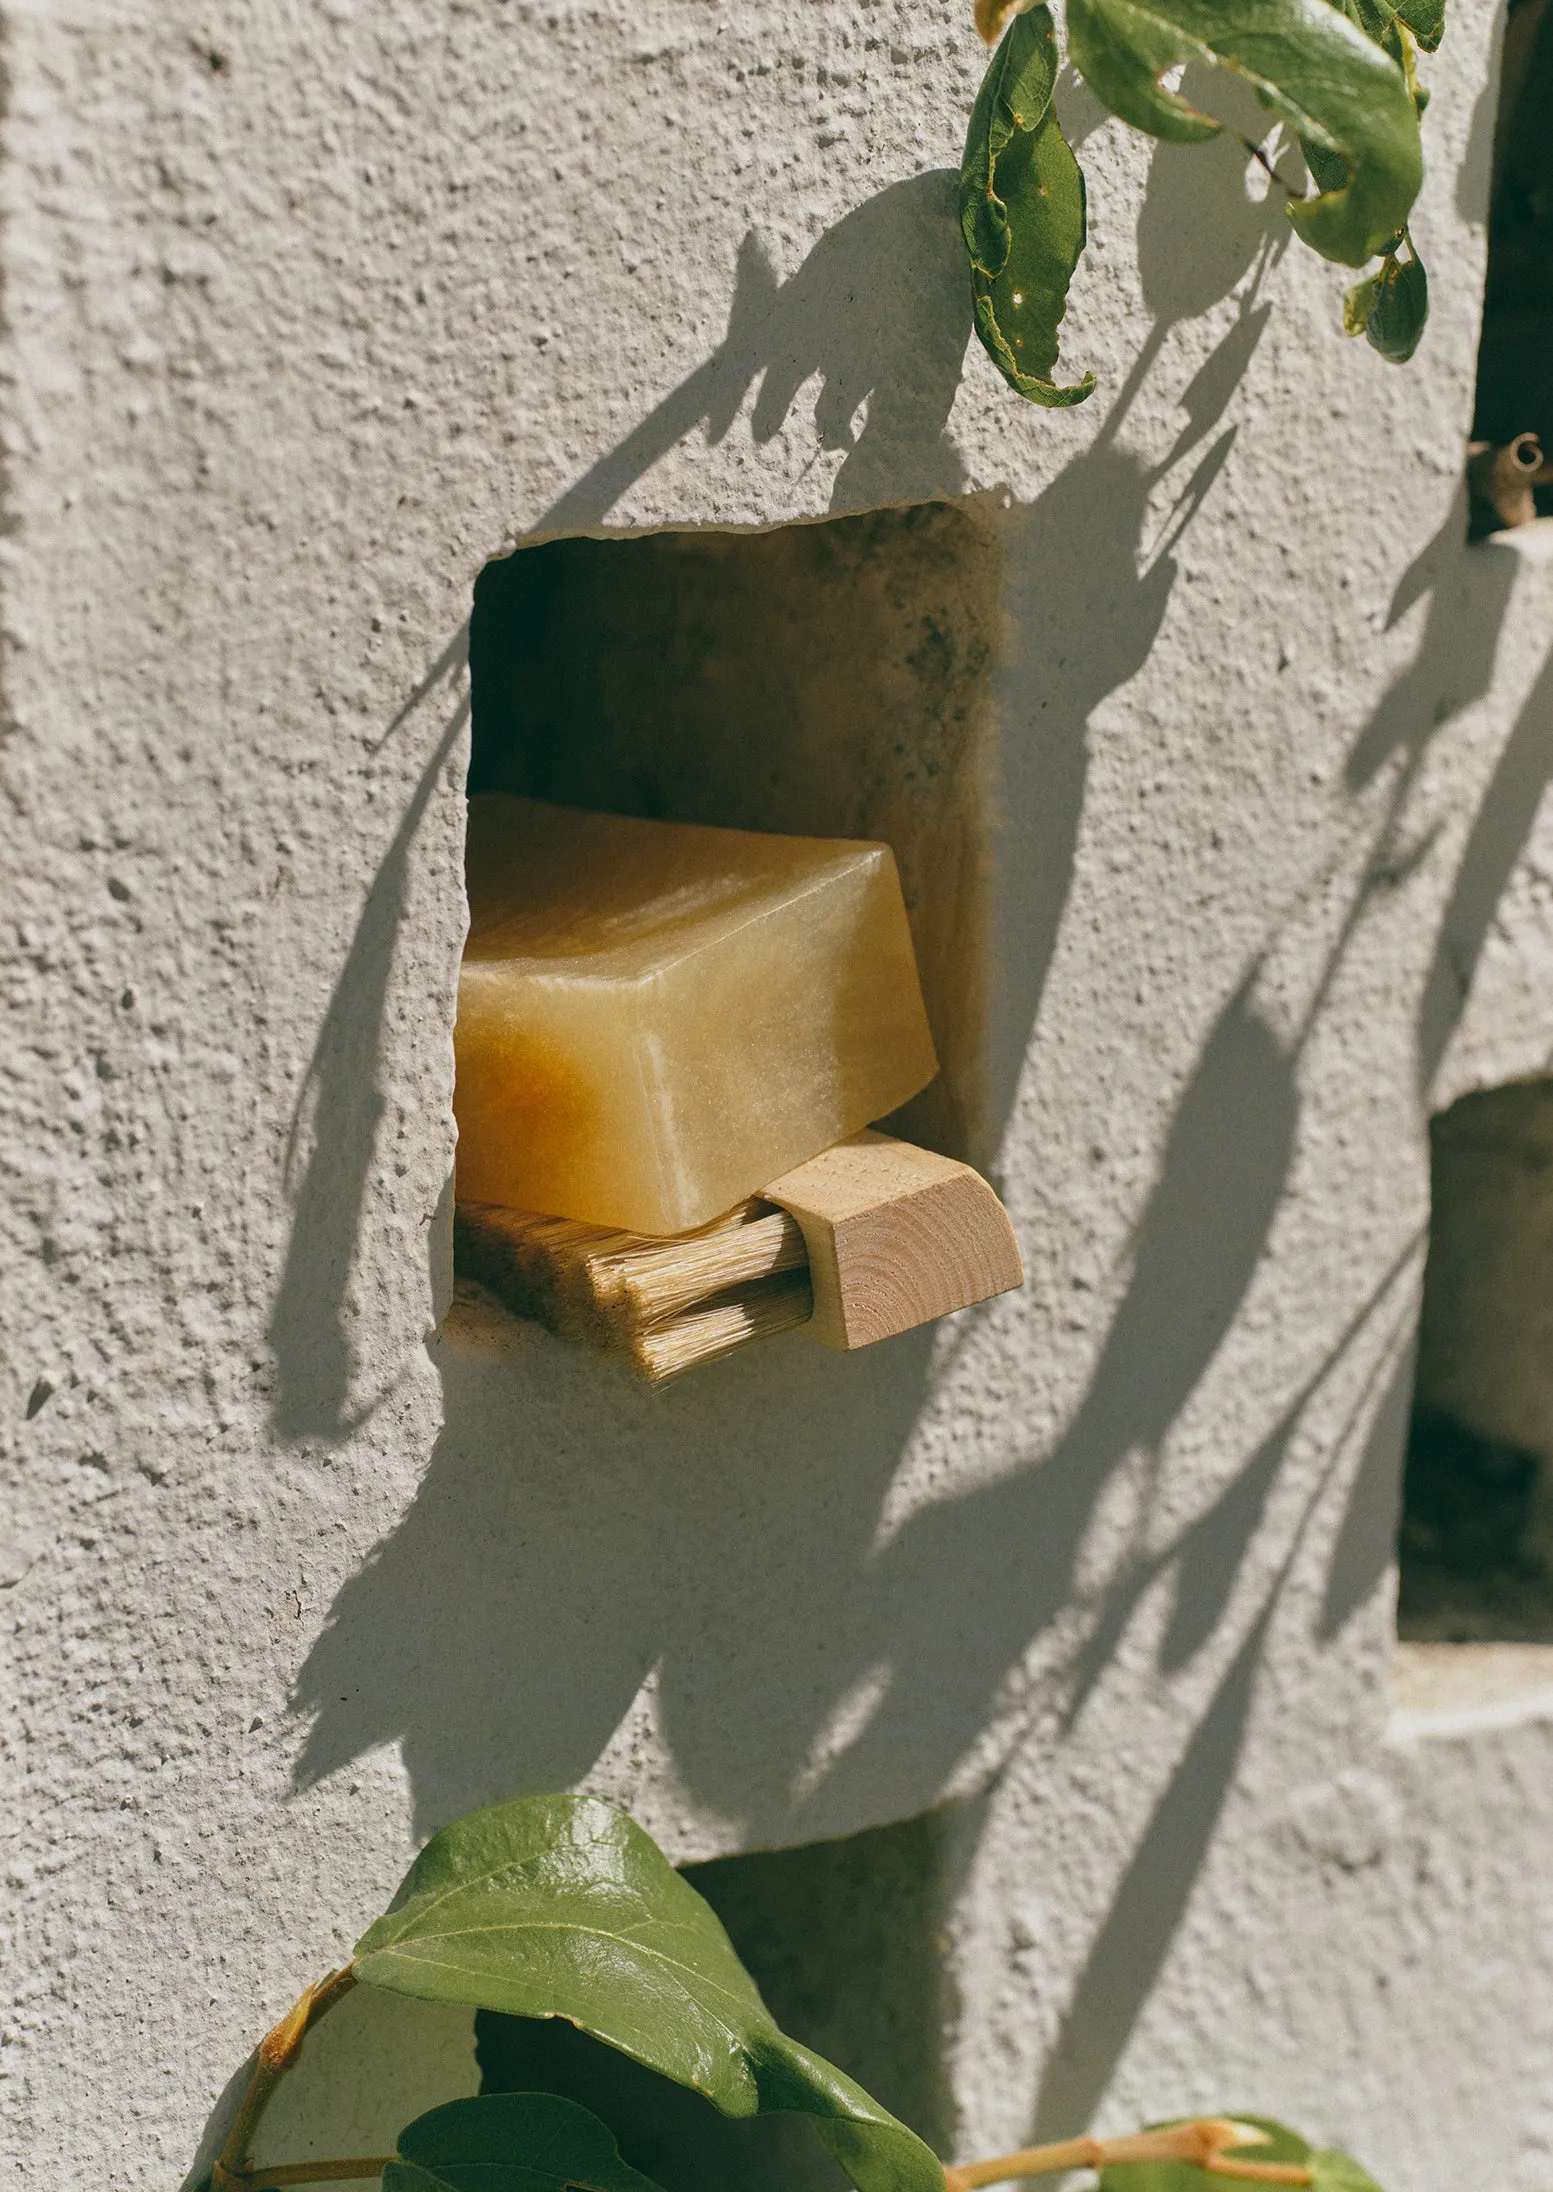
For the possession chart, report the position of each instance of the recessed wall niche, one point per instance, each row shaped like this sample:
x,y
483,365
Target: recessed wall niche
x,y
842,1937
1476,1548
828,679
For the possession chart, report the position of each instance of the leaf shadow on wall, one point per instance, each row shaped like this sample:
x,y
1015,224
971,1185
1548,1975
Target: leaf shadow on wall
x,y
1451,668
1083,623
337,1119
879,312
574,1535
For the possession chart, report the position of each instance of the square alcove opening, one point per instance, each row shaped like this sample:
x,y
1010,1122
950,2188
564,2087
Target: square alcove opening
x,y
1476,1545
827,679
842,1938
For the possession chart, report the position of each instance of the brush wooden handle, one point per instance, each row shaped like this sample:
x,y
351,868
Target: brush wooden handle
x,y
896,1236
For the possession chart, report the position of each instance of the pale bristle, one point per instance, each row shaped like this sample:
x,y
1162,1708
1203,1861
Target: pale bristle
x,y
657,1279
663,1304
663,1351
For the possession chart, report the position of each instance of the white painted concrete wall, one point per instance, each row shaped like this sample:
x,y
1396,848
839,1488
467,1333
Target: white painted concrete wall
x,y
311,308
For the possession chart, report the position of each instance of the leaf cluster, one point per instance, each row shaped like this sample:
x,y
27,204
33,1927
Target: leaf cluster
x,y
562,1908
1338,75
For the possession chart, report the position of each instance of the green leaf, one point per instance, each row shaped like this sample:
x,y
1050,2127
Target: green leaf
x,y
1307,63
1387,26
1333,2171
560,1906
1426,20
1330,2170
1022,213
1282,2145
1358,303
510,2142
1391,307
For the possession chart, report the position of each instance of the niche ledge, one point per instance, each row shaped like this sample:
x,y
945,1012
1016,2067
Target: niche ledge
x,y
1459,1689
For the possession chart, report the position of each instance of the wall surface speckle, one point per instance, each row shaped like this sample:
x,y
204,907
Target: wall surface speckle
x,y
313,308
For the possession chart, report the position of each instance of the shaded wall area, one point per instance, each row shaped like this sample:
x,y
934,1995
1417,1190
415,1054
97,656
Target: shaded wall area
x,y
1477,1522
1515,362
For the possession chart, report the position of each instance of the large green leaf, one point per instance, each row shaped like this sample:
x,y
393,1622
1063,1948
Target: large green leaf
x,y
1307,63
510,2142
1330,2170
1022,212
560,1906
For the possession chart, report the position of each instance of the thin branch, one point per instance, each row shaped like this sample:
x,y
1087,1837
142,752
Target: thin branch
x,y
275,2054
1269,170
361,2165
1203,2141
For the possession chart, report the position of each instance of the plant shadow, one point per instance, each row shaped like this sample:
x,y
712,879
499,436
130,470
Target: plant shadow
x,y
573,1535
591,1578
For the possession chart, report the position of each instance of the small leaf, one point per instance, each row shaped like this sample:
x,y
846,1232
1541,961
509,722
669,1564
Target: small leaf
x,y
1330,2170
1279,2145
1399,310
1358,303
1333,2171
1307,63
1022,213
560,1906
1426,20
1386,26
510,2142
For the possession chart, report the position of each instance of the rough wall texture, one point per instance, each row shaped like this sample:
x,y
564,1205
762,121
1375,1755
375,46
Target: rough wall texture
x,y
312,308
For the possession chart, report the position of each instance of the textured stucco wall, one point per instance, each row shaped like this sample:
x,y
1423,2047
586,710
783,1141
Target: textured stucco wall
x,y
311,308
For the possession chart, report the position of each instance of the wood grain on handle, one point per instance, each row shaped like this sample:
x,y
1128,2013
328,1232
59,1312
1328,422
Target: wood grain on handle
x,y
896,1236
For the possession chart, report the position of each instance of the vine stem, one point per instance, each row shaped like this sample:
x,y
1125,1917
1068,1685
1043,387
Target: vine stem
x,y
275,2054
1202,2141
1271,172
363,2165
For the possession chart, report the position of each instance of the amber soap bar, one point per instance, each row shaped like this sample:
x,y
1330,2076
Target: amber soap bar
x,y
655,1018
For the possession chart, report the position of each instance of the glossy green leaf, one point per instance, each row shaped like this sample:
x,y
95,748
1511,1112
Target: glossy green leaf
x,y
1331,2171
511,2142
560,1906
1391,307
1307,63
1022,213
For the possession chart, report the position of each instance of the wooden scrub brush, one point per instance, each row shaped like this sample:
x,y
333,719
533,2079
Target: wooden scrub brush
x,y
868,1239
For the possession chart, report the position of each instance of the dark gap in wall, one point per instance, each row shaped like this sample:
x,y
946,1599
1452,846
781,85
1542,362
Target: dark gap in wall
x,y
1476,1546
824,680
842,1938
1515,358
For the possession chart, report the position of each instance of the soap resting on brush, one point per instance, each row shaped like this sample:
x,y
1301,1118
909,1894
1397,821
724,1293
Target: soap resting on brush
x,y
655,1018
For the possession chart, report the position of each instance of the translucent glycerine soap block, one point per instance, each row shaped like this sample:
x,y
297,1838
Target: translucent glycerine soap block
x,y
656,1018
